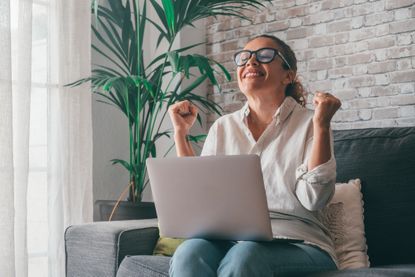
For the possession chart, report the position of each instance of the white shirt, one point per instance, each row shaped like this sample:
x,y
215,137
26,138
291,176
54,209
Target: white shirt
x,y
294,194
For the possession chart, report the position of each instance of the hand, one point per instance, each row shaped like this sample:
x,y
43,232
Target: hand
x,y
183,115
326,105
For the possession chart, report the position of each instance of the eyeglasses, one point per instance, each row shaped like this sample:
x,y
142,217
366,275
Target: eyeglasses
x,y
263,55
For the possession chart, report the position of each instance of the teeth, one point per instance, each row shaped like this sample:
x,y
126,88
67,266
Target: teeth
x,y
253,74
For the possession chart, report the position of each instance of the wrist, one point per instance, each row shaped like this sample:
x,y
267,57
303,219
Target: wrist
x,y
180,133
321,123
321,130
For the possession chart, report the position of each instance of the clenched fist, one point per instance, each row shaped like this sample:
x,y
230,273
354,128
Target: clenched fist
x,y
326,105
183,115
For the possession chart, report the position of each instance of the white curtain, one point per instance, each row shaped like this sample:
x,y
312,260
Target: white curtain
x,y
6,146
70,155
69,139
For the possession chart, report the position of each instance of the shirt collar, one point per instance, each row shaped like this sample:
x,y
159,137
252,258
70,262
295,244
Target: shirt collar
x,y
280,115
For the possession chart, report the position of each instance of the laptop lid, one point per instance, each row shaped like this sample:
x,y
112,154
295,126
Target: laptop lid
x,y
215,197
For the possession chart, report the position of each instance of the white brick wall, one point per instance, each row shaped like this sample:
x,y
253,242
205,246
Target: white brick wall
x,y
361,51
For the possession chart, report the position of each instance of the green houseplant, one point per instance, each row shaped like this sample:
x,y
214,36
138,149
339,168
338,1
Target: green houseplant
x,y
143,91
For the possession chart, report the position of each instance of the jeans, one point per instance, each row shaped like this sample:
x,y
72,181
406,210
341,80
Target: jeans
x,y
201,257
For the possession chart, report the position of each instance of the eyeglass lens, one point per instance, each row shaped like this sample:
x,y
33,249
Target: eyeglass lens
x,y
262,55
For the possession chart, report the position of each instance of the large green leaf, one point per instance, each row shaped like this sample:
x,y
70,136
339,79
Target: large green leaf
x,y
170,16
126,31
174,59
106,71
193,85
179,50
162,17
197,138
115,41
125,164
124,67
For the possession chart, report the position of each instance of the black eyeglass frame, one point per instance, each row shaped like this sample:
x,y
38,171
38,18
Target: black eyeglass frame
x,y
276,53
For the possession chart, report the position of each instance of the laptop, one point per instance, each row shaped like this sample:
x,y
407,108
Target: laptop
x,y
212,197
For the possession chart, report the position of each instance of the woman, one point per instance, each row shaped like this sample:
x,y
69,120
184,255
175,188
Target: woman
x,y
297,161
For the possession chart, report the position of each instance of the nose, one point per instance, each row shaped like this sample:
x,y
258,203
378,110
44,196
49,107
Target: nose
x,y
252,60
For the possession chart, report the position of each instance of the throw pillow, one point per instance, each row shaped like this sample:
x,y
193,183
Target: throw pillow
x,y
166,246
343,216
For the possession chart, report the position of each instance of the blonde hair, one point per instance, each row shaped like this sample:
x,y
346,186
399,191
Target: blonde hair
x,y
295,89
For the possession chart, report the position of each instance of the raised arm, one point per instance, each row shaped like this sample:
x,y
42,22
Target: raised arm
x,y
326,106
183,116
316,179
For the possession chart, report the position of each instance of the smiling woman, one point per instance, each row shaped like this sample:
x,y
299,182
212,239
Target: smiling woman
x,y
278,48
295,148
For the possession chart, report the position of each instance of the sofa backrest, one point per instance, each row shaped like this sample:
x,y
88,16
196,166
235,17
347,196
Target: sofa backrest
x,y
384,159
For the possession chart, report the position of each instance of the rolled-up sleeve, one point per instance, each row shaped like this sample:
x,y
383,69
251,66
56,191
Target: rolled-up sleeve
x,y
315,188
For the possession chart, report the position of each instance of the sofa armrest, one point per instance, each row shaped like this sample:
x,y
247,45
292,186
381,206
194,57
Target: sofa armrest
x,y
97,249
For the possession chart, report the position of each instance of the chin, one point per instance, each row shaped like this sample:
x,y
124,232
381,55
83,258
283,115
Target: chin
x,y
253,84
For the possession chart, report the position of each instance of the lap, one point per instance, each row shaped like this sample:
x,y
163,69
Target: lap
x,y
295,252
198,257
248,258
275,258
204,246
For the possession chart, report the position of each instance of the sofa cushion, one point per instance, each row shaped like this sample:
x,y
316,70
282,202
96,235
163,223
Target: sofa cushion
x,y
384,160
144,266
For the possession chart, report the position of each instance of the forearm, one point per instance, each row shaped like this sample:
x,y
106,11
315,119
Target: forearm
x,y
321,149
183,146
316,179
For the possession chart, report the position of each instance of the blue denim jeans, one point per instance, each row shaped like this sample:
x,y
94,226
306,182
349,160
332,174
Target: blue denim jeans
x,y
200,257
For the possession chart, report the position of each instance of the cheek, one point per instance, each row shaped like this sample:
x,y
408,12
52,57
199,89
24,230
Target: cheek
x,y
238,74
274,72
240,83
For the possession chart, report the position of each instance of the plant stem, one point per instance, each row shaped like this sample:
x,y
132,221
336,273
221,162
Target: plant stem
x,y
138,112
150,128
130,126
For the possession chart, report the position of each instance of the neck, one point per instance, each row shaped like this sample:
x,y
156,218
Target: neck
x,y
262,109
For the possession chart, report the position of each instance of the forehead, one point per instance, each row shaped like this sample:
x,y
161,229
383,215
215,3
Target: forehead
x,y
261,42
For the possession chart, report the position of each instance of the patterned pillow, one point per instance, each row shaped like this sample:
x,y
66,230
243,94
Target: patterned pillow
x,y
343,216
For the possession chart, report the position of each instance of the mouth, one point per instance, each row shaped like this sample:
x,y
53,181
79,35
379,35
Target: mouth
x,y
253,74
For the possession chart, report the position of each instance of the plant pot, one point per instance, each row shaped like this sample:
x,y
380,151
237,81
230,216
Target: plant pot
x,y
125,211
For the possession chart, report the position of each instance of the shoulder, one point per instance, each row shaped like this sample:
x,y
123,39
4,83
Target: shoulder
x,y
302,114
301,120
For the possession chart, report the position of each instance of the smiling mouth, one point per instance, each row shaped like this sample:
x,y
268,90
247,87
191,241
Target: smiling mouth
x,y
253,74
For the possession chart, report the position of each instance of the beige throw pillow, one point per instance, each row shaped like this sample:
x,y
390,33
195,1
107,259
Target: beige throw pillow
x,y
343,216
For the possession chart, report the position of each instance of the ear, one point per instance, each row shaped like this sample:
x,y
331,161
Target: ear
x,y
289,77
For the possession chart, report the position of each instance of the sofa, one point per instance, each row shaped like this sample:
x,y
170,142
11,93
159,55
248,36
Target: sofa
x,y
383,159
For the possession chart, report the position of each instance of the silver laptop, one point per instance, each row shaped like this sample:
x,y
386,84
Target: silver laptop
x,y
213,197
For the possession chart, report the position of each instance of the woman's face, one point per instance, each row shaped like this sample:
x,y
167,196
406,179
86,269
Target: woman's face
x,y
255,78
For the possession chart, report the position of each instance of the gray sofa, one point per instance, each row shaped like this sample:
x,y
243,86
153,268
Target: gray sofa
x,y
384,159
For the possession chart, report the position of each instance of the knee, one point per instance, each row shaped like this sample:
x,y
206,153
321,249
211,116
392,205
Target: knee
x,y
187,251
189,259
244,259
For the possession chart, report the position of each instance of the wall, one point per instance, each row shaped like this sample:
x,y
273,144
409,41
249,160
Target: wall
x,y
362,52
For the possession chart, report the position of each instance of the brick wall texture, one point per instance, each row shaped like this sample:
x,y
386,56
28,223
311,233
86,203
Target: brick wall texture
x,y
361,51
